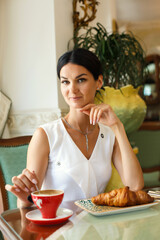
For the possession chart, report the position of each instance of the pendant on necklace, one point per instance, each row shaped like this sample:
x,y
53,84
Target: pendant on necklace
x,y
86,141
86,135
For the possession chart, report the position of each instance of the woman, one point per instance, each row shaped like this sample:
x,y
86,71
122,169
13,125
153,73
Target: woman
x,y
74,153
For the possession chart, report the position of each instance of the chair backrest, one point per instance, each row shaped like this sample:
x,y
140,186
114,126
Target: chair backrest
x,y
147,140
13,155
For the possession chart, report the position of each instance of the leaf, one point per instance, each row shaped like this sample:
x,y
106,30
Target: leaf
x,y
121,55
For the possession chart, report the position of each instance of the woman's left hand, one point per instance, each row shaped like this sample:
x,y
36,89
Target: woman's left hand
x,y
102,113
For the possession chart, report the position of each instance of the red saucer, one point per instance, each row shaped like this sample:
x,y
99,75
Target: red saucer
x,y
63,214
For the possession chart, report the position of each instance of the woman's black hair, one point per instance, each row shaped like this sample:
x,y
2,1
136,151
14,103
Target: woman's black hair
x,y
82,57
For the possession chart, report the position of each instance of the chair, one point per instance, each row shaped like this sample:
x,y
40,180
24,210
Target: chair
x,y
147,141
13,154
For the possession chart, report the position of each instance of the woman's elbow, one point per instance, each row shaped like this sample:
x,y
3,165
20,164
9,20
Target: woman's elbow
x,y
138,185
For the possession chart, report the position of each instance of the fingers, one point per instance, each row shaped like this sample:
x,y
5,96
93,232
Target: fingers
x,y
25,181
30,175
95,112
23,185
86,109
13,189
102,113
18,193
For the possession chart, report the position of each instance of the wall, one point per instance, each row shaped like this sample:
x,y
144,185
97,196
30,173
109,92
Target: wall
x,y
143,19
34,33
29,50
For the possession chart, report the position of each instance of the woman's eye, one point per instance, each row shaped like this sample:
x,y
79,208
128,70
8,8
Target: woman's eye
x,y
64,82
81,80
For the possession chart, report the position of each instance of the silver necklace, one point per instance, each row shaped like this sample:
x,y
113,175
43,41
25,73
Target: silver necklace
x,y
85,134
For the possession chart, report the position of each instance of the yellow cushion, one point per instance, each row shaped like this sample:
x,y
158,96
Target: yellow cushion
x,y
115,181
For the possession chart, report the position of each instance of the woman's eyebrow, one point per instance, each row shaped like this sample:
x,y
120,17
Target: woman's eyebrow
x,y
83,74
63,77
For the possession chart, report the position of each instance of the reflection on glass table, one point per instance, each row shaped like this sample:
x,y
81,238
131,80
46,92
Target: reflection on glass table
x,y
15,225
135,225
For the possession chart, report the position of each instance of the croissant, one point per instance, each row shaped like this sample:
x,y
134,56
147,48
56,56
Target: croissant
x,y
122,197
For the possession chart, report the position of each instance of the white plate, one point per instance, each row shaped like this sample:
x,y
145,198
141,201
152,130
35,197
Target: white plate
x,y
96,210
62,215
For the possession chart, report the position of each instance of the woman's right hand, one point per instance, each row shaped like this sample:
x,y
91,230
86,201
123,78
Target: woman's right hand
x,y
23,185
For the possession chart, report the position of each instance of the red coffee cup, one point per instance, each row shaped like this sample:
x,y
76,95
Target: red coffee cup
x,y
48,201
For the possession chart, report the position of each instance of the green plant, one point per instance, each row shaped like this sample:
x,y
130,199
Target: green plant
x,y
121,55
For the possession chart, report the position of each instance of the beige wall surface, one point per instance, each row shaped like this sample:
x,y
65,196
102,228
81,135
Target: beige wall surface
x,y
28,71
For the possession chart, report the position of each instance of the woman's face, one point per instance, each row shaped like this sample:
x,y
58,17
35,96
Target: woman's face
x,y
78,85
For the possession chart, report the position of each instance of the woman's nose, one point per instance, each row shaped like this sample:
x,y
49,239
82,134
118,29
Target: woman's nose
x,y
74,88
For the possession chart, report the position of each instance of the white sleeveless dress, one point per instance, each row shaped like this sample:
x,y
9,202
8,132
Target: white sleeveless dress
x,y
69,170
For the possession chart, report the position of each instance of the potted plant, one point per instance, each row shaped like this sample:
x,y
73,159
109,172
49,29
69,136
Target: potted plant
x,y
121,55
123,62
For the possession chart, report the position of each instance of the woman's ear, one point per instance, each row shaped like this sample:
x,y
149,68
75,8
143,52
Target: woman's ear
x,y
100,81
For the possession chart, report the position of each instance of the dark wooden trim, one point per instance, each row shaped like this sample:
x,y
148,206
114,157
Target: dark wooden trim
x,y
17,141
151,169
150,125
3,192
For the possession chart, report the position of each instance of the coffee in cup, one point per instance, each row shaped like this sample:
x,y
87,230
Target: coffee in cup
x,y
48,201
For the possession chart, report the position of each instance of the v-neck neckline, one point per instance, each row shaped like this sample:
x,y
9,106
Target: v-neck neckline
x,y
95,146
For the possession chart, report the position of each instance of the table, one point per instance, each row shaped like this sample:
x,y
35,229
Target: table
x,y
139,225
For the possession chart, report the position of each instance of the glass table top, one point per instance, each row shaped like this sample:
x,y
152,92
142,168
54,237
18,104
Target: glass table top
x,y
135,225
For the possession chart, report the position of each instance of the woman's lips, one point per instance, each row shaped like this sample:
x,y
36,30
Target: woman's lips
x,y
75,98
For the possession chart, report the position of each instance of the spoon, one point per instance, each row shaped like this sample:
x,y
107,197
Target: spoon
x,y
37,188
29,197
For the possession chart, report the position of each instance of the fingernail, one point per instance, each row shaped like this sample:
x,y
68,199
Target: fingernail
x,y
34,181
90,121
17,189
32,189
93,122
26,189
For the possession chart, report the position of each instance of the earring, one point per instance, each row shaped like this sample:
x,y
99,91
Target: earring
x,y
97,88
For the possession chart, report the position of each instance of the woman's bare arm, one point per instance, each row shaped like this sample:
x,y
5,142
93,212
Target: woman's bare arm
x,y
125,160
37,161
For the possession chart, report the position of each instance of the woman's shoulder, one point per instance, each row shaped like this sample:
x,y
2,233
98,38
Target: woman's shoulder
x,y
54,130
